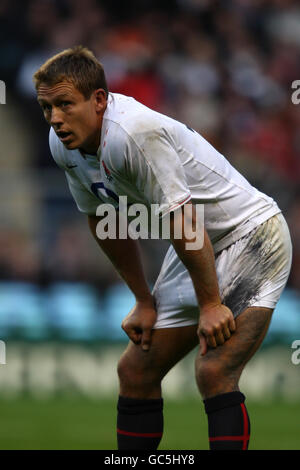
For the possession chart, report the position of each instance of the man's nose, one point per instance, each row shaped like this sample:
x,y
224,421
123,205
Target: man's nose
x,y
56,117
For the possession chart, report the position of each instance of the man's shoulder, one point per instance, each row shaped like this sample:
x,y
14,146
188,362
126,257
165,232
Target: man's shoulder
x,y
132,119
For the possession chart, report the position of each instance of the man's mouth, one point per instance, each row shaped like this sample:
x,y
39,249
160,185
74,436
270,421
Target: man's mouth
x,y
63,136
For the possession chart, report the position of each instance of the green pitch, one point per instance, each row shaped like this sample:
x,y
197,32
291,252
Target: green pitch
x,y
78,423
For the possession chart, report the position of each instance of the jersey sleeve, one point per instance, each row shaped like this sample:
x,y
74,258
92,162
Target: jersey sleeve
x,y
158,172
86,202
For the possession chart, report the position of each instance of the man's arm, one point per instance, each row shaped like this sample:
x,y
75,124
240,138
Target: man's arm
x,y
125,256
216,322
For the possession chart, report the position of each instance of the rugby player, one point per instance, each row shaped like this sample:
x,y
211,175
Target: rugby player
x,y
219,297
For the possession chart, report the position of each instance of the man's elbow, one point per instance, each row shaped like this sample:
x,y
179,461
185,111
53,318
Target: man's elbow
x,y
187,231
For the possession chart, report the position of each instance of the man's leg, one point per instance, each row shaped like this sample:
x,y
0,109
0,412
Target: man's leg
x,y
140,405
218,374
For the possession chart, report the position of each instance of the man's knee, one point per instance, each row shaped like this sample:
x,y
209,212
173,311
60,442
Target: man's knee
x,y
220,369
137,375
207,372
216,376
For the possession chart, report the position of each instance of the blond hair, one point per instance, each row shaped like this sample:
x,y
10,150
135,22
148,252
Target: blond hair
x,y
77,65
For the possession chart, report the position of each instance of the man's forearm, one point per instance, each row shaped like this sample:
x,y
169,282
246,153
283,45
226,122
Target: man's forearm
x,y
201,267
126,258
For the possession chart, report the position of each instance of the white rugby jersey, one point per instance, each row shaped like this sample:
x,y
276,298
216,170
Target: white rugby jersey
x,y
154,159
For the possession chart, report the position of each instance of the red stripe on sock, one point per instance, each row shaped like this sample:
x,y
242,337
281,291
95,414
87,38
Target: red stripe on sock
x,y
246,430
140,434
229,438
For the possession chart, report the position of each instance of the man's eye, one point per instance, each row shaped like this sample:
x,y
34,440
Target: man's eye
x,y
65,103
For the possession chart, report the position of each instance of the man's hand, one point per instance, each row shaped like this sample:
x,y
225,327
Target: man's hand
x,y
216,324
139,323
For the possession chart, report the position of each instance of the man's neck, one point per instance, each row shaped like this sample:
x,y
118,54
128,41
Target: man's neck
x,y
92,147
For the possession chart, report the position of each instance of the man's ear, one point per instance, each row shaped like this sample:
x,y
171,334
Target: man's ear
x,y
100,100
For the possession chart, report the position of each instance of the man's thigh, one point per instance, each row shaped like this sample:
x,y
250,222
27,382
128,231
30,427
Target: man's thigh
x,y
223,365
220,369
168,346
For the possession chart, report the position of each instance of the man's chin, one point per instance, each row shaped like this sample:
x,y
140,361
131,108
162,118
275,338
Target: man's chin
x,y
71,145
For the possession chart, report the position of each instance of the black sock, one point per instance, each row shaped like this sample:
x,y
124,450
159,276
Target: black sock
x,y
228,422
140,423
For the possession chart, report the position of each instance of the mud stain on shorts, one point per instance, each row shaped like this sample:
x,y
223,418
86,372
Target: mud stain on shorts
x,y
242,292
256,264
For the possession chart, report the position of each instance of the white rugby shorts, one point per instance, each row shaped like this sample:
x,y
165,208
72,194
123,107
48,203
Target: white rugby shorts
x,y
253,271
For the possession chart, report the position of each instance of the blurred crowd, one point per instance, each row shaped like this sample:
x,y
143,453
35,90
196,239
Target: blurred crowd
x,y
225,68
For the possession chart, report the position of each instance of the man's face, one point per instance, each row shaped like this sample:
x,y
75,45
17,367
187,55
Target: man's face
x,y
77,121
